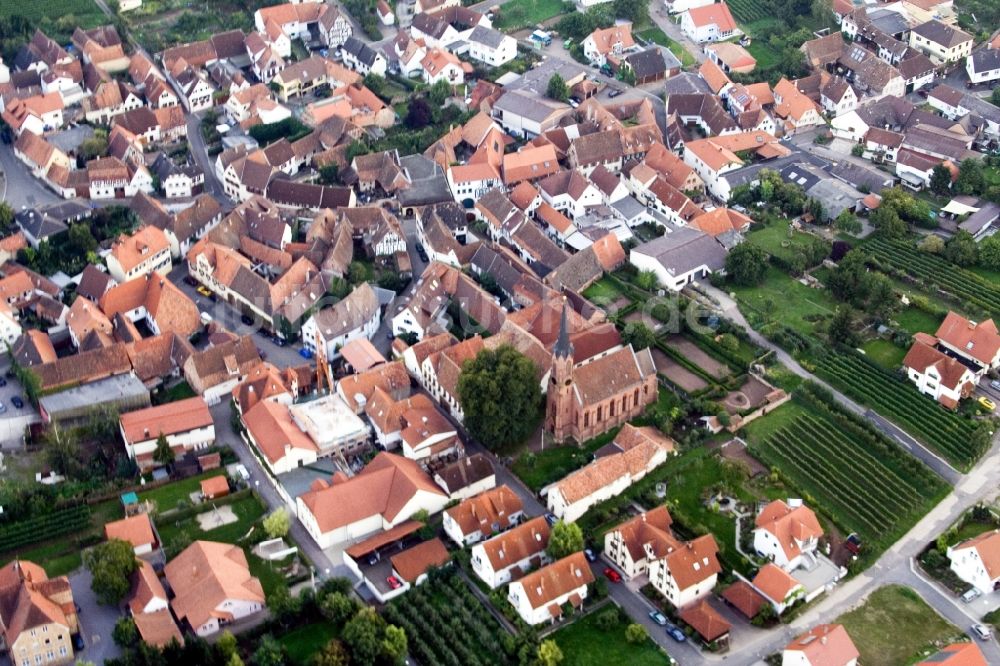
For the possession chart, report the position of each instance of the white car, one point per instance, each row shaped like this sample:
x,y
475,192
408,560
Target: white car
x,y
982,632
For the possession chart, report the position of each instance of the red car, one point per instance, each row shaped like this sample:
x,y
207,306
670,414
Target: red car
x,y
393,582
613,575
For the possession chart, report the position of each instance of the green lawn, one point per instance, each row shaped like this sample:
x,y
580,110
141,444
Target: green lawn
x,y
776,240
268,572
883,352
305,641
914,320
787,300
180,391
167,496
537,470
657,36
584,643
58,558
602,291
763,54
895,626
519,14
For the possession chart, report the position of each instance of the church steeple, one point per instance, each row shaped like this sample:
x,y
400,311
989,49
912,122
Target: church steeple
x,y
563,347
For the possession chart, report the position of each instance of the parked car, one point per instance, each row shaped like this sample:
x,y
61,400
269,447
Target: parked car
x,y
279,342
393,582
203,290
982,632
853,543
247,320
3,382
658,618
971,595
306,353
615,92
373,559
9,374
590,555
612,575
189,280
676,633
551,519
986,403
17,402
78,643
995,384
3,408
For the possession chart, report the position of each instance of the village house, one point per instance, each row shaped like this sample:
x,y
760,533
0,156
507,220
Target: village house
x,y
135,530
32,606
934,373
539,596
941,43
212,586
608,45
387,492
956,654
491,47
709,23
145,251
362,58
466,477
354,317
683,572
483,516
632,454
787,534
215,371
983,66
823,645
977,561
187,425
680,257
511,554
778,587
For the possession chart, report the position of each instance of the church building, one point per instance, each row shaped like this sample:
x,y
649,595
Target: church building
x,y
587,399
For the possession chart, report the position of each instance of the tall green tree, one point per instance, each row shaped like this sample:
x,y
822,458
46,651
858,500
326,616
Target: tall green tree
x,y
564,539
841,328
111,564
971,177
549,653
989,250
277,523
940,180
557,89
163,453
500,396
639,336
961,249
746,264
363,635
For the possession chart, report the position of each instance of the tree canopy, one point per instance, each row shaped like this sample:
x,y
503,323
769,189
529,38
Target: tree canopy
x,y
111,564
746,264
564,539
500,396
557,89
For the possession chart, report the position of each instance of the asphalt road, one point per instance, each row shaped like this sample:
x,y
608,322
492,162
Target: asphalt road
x,y
97,621
22,189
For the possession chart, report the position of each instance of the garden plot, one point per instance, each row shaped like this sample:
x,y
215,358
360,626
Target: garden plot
x,y
677,373
751,395
698,356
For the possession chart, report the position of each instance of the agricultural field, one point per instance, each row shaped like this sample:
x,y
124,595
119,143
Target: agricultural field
x,y
978,293
945,432
159,24
448,625
60,11
520,14
864,482
591,642
895,626
784,299
747,12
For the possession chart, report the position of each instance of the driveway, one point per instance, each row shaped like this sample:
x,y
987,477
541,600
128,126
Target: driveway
x,y
13,421
22,189
96,621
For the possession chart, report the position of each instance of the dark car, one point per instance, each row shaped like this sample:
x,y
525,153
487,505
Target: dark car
x,y
551,519
590,555
17,402
675,632
306,353
9,374
3,382
188,280
78,643
615,92
247,320
280,342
